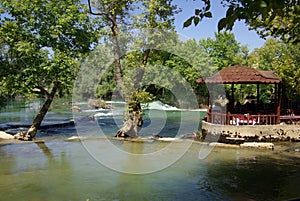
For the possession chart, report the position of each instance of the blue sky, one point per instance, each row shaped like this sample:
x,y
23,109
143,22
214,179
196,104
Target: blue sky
x,y
208,26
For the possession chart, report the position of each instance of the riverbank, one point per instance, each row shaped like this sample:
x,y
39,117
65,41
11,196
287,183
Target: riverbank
x,y
287,148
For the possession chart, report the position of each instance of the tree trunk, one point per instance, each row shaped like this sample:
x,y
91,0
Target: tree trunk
x,y
134,122
30,134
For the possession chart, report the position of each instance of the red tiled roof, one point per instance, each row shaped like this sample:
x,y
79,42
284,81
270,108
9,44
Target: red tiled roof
x,y
242,74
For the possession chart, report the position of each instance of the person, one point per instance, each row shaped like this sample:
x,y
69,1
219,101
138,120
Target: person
x,y
217,108
252,107
238,107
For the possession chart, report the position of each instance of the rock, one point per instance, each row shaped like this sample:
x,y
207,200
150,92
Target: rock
x,y
97,104
267,145
139,139
156,136
234,140
169,139
75,108
22,136
219,144
190,136
74,139
5,136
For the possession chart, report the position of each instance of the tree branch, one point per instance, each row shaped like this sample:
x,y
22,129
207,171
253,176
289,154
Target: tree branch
x,y
40,90
91,10
142,70
113,21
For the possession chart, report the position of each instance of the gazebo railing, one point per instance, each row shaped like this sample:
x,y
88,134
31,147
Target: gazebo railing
x,y
242,119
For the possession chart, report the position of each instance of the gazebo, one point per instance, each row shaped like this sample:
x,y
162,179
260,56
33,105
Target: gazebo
x,y
244,75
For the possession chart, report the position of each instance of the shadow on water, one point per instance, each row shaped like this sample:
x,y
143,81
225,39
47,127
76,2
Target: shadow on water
x,y
59,170
254,175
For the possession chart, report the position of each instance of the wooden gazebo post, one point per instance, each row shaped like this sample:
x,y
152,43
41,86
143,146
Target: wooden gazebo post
x,y
208,103
257,94
232,94
278,100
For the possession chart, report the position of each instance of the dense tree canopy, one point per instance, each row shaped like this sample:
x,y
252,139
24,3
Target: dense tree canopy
x,y
43,42
284,60
225,50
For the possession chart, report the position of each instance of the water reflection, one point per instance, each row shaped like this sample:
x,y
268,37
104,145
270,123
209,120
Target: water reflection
x,y
59,170
34,174
255,175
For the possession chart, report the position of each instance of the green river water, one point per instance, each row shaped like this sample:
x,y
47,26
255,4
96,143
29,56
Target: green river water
x,y
61,170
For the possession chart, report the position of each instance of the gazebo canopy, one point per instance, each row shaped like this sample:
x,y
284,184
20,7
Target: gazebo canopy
x,y
242,75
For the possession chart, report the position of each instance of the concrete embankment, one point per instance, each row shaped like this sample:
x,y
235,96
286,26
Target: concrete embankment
x,y
250,133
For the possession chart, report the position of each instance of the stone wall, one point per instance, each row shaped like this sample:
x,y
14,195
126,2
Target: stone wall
x,y
253,132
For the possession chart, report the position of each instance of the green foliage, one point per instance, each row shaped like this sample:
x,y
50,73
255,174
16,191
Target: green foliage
x,y
263,58
157,14
96,76
43,42
106,85
141,96
188,60
267,17
284,60
121,19
200,14
225,50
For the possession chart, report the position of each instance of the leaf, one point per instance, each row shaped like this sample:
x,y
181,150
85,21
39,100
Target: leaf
x,y
208,14
196,20
263,4
222,24
197,11
229,11
188,22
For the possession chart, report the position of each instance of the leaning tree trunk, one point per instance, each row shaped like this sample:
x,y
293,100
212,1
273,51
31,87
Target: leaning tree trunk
x,y
30,134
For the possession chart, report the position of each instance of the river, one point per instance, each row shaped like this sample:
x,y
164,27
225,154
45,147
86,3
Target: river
x,y
60,169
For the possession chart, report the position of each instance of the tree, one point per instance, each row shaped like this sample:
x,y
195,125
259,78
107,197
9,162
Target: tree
x,y
267,17
192,61
119,18
44,41
283,59
225,50
88,80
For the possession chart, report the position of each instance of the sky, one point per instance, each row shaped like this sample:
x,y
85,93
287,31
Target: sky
x,y
208,26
